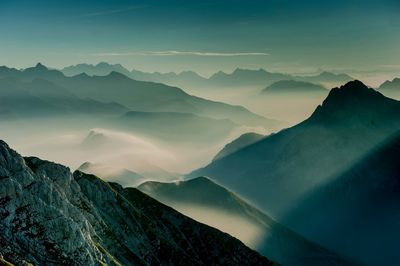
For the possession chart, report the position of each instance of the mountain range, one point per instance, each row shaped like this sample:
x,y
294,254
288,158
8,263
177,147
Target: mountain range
x,y
51,216
138,95
189,79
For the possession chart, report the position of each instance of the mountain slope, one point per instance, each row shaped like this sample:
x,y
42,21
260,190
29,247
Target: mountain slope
x,y
279,169
49,216
41,97
201,198
239,143
363,221
293,86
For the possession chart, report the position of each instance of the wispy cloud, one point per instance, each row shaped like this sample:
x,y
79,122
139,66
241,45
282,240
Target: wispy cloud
x,y
183,53
390,66
113,11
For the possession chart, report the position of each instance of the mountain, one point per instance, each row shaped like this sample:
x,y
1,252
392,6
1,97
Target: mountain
x,y
279,169
200,198
241,142
391,88
327,79
261,78
183,79
95,139
50,216
191,80
293,86
101,69
391,85
362,221
141,96
40,97
246,77
176,127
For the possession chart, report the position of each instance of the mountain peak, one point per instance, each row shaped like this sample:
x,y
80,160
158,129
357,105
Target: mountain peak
x,y
351,90
350,100
40,66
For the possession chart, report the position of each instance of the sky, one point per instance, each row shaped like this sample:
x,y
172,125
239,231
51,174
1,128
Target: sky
x,y
357,36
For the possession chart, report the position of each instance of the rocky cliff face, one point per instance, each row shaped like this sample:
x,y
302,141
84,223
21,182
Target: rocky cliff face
x,y
49,216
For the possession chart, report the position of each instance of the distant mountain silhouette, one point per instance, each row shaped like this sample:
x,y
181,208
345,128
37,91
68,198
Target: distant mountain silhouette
x,y
391,85
241,142
327,78
277,170
391,88
281,244
183,79
293,86
190,79
101,69
139,95
246,77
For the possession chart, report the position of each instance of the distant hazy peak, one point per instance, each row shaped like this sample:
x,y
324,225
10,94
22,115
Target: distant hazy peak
x,y
330,74
39,66
293,86
395,83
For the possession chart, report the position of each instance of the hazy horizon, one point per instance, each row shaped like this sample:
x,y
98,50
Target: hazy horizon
x,y
356,37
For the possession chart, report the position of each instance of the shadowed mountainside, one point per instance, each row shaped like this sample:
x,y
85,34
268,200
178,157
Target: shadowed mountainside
x,y
280,168
357,213
202,199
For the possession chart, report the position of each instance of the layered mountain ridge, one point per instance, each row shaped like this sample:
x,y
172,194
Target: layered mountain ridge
x,y
138,95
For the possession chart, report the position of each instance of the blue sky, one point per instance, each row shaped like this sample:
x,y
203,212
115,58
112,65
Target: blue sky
x,y
281,35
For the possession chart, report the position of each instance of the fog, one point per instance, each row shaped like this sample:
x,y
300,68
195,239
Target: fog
x,y
73,141
291,108
250,233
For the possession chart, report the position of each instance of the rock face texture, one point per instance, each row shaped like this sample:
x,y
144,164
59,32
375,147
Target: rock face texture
x,y
49,216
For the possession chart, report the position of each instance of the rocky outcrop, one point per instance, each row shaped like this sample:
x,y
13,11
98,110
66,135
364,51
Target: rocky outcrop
x,y
50,216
